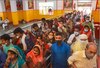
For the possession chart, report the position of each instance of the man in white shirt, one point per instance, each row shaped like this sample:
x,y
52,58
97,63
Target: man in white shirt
x,y
74,35
85,58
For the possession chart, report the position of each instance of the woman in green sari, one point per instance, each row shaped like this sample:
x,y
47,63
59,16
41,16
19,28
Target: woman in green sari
x,y
15,59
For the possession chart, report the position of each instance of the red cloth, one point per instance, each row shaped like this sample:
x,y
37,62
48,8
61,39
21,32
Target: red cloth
x,y
34,58
47,46
89,34
98,62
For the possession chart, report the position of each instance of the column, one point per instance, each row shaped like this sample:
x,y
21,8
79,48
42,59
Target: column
x,y
75,4
2,9
94,4
14,12
25,9
59,7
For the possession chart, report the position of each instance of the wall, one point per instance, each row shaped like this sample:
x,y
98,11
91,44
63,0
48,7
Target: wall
x,y
34,14
96,15
96,12
30,14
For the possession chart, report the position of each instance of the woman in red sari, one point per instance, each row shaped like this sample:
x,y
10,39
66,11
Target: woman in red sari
x,y
86,30
35,57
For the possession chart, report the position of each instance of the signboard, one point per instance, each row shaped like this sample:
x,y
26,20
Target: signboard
x,y
68,4
30,4
7,5
19,4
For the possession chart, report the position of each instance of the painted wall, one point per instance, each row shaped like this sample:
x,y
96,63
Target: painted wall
x,y
30,14
96,15
96,12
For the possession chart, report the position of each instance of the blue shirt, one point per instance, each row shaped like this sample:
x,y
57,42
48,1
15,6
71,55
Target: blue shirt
x,y
59,55
2,59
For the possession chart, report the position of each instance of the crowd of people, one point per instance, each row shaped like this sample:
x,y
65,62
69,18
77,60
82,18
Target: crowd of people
x,y
68,39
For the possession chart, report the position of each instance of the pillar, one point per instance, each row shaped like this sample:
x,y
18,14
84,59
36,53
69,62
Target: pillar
x,y
25,9
93,4
14,12
75,4
2,9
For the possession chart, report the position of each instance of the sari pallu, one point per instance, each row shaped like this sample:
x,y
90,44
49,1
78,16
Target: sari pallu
x,y
34,60
20,61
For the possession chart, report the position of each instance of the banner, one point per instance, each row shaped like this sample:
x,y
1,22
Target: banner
x,y
19,4
68,4
30,4
7,5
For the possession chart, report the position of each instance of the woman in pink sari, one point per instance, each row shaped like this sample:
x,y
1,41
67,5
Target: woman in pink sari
x,y
35,57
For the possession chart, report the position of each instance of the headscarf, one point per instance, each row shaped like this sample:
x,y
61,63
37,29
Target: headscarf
x,y
79,45
34,58
83,36
20,52
20,61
